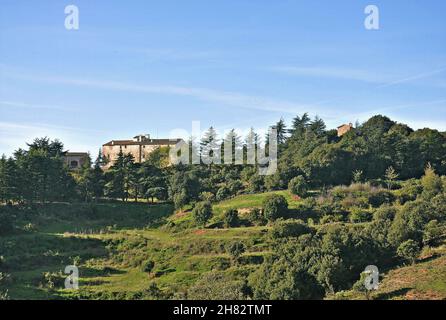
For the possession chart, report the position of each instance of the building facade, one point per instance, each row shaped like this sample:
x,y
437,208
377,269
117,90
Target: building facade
x,y
139,147
344,129
75,160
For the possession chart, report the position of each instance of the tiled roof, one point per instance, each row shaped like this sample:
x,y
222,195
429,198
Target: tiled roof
x,y
152,142
76,154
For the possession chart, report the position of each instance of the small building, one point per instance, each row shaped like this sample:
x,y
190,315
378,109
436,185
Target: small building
x,y
139,147
75,160
344,129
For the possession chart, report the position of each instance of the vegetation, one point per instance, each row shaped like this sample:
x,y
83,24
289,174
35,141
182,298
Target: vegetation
x,y
376,196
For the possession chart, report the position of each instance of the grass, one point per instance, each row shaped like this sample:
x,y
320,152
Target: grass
x,y
111,241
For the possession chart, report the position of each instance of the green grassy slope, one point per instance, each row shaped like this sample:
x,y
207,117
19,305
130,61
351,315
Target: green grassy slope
x,y
110,243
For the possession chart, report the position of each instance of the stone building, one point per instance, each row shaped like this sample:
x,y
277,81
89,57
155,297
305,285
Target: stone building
x,y
75,160
140,147
344,129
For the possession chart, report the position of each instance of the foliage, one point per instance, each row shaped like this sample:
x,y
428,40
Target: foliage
x,y
230,218
235,250
298,186
274,207
289,228
216,286
202,212
409,250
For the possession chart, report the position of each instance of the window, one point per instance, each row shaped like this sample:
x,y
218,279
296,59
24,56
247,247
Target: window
x,y
74,164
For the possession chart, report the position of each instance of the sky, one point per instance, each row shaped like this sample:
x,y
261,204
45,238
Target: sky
x,y
155,66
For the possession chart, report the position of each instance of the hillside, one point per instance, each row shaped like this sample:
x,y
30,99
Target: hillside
x,y
112,243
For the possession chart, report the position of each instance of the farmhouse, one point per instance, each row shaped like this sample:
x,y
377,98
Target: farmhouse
x,y
344,129
139,147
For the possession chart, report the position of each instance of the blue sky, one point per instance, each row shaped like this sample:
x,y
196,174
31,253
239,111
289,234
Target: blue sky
x,y
153,66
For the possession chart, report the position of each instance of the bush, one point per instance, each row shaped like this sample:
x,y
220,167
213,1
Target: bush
x,y
275,206
180,199
409,223
298,186
235,187
207,196
202,212
385,213
359,215
223,193
216,286
409,250
433,232
289,228
231,219
148,266
256,183
256,217
438,204
410,190
380,197
235,250
432,184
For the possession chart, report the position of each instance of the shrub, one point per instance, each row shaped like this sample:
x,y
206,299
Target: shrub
x,y
180,199
216,286
202,212
380,197
438,204
298,186
275,206
235,187
289,228
256,183
231,219
433,232
223,193
207,196
148,266
409,191
409,223
409,250
235,250
432,184
359,215
385,213
256,217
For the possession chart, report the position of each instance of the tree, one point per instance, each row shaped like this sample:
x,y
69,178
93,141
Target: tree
x,y
223,193
298,186
235,250
180,199
279,278
122,178
280,127
390,176
409,223
431,182
275,206
409,250
210,148
202,212
433,232
299,125
230,218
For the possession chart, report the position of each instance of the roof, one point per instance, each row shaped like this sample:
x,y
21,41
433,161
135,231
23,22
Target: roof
x,y
151,142
345,125
75,154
